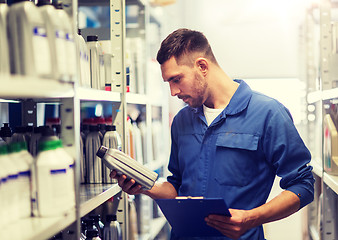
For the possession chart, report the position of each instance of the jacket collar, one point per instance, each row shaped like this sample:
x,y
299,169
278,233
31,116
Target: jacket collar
x,y
238,102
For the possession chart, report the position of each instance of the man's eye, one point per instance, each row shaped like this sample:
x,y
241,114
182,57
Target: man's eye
x,y
177,80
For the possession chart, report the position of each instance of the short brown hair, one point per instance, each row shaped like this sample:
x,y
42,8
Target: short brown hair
x,y
184,42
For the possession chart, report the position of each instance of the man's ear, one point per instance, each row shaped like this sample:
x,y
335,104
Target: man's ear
x,y
202,64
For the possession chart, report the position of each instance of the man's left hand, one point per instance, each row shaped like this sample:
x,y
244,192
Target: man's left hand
x,y
233,227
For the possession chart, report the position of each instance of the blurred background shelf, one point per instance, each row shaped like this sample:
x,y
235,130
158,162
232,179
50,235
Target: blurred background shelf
x,y
331,181
19,87
89,94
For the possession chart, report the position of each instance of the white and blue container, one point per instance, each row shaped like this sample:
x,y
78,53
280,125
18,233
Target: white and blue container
x,y
28,43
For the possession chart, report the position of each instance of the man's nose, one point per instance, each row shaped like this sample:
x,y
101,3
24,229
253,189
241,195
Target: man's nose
x,y
174,90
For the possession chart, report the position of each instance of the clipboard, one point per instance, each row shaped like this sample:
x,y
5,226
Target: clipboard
x,y
186,216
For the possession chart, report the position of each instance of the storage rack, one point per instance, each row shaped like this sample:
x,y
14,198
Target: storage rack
x,y
322,212
30,91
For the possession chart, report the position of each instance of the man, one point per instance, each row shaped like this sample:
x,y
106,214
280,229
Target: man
x,y
229,142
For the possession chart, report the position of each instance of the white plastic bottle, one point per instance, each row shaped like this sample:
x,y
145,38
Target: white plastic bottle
x,y
147,155
28,158
84,67
4,201
102,81
111,139
34,140
11,192
137,142
94,58
56,38
29,46
51,178
4,54
70,172
70,42
23,165
112,228
93,163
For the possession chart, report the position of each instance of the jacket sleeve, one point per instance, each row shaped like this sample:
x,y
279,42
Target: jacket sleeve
x,y
175,178
288,155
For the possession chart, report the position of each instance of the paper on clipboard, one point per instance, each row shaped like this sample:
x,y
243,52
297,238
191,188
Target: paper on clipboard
x,y
186,216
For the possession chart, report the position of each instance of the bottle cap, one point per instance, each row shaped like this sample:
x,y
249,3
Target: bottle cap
x,y
92,38
101,152
29,129
47,132
20,129
6,130
37,129
91,233
93,128
110,128
43,3
111,217
84,127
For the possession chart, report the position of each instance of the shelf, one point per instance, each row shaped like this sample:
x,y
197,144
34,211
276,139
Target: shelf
x,y
93,195
88,94
330,94
20,87
314,97
317,168
331,181
36,228
134,98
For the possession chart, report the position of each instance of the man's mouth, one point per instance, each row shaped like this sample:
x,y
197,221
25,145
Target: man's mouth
x,y
183,97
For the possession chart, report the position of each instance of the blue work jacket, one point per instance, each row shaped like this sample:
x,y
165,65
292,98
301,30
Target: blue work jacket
x,y
239,155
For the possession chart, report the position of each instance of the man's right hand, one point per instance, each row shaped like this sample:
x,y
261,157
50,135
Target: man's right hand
x,y
128,185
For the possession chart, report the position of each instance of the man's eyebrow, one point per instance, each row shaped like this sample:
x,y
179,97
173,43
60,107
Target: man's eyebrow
x,y
172,78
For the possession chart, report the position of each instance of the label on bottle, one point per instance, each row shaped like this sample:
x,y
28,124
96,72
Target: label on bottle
x,y
71,51
60,44
41,51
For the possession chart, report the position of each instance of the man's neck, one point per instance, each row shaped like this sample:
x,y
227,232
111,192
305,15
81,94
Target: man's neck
x,y
221,90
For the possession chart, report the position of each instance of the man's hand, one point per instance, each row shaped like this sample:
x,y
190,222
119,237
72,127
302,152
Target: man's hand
x,y
241,221
129,186
233,227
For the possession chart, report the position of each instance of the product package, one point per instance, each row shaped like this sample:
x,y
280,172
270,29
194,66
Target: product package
x,y
124,164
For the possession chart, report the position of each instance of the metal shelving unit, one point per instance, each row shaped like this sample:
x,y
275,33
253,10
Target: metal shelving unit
x,y
138,27
21,88
30,91
322,87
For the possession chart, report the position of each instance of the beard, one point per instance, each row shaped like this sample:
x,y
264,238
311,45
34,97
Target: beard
x,y
199,89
